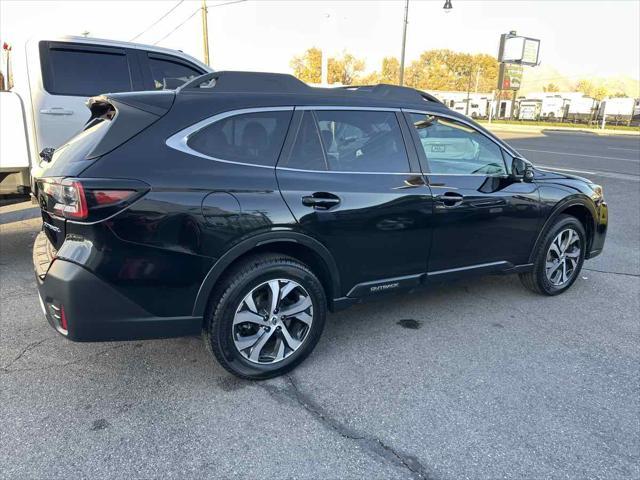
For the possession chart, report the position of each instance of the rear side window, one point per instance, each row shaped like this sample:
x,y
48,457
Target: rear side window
x,y
362,141
169,74
254,138
85,72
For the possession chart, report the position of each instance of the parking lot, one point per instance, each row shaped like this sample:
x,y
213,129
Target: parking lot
x,y
475,379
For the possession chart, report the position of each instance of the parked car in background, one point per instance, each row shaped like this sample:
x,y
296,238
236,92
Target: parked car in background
x,y
246,205
52,80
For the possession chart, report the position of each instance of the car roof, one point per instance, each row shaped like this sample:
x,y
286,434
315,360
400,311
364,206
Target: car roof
x,y
260,89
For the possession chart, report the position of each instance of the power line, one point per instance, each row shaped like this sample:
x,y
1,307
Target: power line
x,y
178,26
191,16
158,20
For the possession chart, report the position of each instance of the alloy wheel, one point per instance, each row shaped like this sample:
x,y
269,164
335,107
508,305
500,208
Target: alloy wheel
x,y
272,321
563,257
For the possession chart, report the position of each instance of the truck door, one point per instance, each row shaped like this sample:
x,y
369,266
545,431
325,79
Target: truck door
x,y
69,74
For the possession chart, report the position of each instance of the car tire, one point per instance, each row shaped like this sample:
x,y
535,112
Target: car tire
x,y
543,278
247,293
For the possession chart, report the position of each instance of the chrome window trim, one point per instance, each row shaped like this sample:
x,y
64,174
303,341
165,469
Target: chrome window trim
x,y
495,140
348,173
178,141
335,107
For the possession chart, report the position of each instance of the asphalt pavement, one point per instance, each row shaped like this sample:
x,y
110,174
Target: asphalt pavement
x,y
478,379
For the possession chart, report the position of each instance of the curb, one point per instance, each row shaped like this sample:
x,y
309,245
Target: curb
x,y
540,129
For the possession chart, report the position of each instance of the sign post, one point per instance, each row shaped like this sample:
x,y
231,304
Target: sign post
x,y
514,52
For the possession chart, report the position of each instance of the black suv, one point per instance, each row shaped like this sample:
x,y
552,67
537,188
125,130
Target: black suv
x,y
246,205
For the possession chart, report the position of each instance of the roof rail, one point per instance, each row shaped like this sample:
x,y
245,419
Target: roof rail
x,y
394,92
230,81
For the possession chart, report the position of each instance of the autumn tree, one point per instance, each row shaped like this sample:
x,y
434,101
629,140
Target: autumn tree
x,y
590,89
448,70
390,72
434,70
344,69
308,66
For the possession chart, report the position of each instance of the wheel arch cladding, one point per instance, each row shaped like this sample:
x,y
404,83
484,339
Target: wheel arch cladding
x,y
578,208
299,246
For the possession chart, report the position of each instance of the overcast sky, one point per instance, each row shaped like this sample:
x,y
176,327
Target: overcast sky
x,y
579,38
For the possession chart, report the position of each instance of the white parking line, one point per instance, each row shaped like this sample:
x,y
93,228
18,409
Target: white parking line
x,y
627,149
619,176
567,170
578,155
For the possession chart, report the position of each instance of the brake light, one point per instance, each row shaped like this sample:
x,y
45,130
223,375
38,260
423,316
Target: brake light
x,y
68,195
77,201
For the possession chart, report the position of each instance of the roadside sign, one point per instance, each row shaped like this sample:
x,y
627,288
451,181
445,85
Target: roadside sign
x,y
518,50
510,76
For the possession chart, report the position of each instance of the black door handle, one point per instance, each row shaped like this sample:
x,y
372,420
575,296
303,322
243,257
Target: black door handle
x,y
321,200
450,199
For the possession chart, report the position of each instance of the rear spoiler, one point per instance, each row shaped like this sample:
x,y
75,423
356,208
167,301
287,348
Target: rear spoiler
x,y
129,114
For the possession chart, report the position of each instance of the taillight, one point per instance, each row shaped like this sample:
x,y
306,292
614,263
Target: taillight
x,y
69,198
89,199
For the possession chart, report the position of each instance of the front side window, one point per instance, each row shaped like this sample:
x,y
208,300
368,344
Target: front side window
x,y
168,74
85,72
452,147
362,141
254,138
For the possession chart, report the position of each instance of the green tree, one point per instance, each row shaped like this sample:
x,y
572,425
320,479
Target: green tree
x,y
550,87
308,66
344,69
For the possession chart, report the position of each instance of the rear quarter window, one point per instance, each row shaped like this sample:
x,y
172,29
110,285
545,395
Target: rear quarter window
x,y
253,138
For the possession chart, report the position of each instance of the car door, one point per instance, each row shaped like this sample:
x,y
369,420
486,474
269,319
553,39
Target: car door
x,y
483,219
350,182
72,72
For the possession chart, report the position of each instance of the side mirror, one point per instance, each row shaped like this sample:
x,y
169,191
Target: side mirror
x,y
522,170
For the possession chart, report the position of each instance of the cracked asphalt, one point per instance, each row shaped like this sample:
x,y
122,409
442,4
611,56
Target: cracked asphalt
x,y
475,379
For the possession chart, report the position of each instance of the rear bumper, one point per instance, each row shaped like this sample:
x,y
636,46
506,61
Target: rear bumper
x,y
93,311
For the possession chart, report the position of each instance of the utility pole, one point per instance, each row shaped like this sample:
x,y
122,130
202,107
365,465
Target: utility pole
x,y
404,40
466,112
478,71
205,32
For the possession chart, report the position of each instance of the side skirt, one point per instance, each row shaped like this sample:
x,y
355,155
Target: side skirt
x,y
377,288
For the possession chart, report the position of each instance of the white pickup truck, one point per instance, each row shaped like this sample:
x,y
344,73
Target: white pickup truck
x,y
52,80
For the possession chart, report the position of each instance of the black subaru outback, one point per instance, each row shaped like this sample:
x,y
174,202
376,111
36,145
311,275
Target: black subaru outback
x,y
246,205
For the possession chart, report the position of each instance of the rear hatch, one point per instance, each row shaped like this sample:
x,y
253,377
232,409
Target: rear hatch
x,y
115,119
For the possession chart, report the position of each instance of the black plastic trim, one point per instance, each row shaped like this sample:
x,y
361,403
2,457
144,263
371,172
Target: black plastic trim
x,y
249,244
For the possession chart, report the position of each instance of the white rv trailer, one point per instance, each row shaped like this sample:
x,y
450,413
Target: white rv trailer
x,y
620,110
554,107
479,103
529,109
